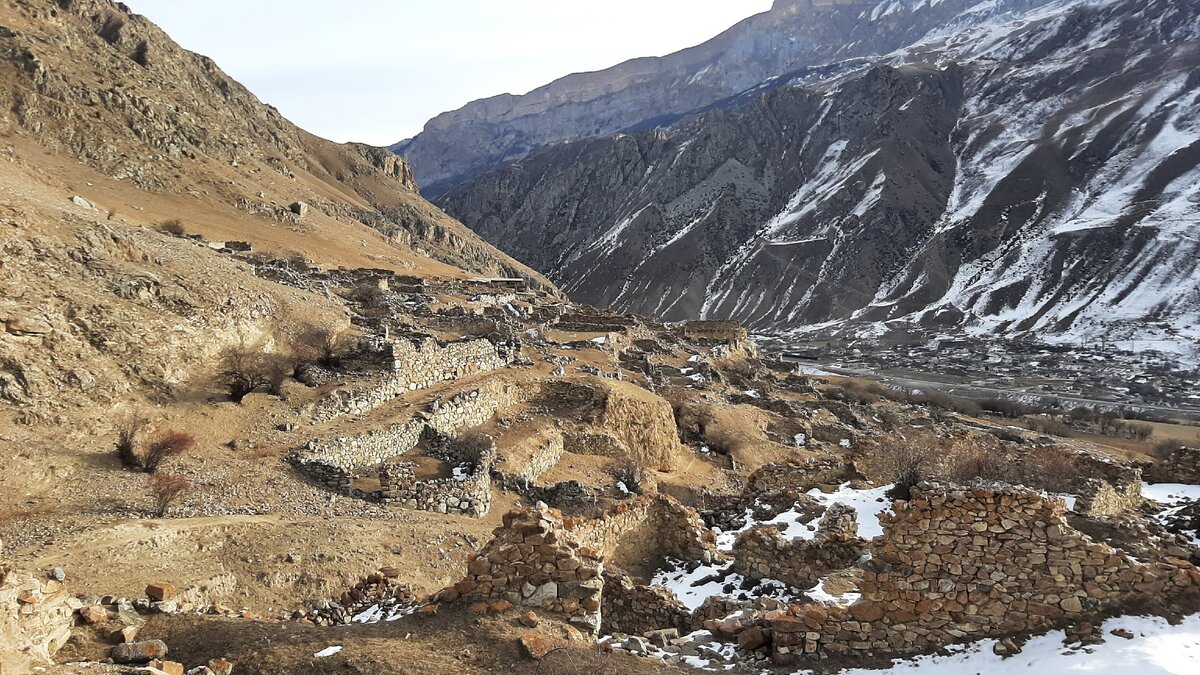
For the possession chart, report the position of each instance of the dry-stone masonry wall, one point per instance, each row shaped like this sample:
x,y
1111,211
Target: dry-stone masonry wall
x,y
1181,466
646,527
633,608
35,621
469,491
959,564
534,562
763,553
416,364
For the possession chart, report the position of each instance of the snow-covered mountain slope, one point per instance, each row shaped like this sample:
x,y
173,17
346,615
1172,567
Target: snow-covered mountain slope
x,y
1030,176
464,143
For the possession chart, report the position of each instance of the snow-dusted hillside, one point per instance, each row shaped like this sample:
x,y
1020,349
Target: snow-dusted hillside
x,y
1031,176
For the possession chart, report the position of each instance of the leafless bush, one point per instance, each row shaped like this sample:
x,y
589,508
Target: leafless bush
x,y
168,445
322,345
245,370
1139,431
127,435
633,476
858,391
173,226
166,489
1050,426
905,463
967,463
1047,469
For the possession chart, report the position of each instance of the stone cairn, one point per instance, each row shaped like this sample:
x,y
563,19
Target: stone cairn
x,y
532,561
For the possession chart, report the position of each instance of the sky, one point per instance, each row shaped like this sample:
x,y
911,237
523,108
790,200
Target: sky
x,y
376,70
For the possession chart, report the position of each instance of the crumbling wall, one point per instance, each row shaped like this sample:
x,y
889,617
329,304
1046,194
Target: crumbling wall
x,y
35,621
959,564
533,561
1181,466
527,459
468,493
633,608
416,364
763,553
645,528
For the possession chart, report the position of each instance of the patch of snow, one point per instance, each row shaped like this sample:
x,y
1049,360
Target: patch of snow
x,y
328,651
1158,649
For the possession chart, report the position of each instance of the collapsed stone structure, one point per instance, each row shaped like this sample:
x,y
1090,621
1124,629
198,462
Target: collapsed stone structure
x,y
414,364
387,455
957,564
534,562
1181,466
763,553
36,616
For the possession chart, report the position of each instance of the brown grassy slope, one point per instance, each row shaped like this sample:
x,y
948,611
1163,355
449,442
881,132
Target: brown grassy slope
x,y
93,81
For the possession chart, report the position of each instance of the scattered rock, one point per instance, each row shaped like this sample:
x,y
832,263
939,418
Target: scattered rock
x,y
160,591
299,208
168,667
138,652
530,620
751,638
535,646
58,574
81,202
93,614
1122,633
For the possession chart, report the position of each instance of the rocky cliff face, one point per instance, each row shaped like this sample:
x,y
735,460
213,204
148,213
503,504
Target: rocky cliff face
x,y
794,34
1037,176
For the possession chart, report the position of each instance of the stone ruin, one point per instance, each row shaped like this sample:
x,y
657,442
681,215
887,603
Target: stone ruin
x,y
763,553
36,616
1181,466
532,561
414,364
389,456
958,564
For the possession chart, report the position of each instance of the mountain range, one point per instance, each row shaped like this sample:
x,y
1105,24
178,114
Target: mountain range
x,y
1021,169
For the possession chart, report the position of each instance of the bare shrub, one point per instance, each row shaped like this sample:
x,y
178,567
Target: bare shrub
x,y
170,444
1047,469
166,489
1139,431
127,435
905,463
859,391
1005,407
245,370
173,226
632,476
322,345
967,463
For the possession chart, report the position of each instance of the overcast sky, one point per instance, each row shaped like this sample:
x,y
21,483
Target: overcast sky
x,y
377,70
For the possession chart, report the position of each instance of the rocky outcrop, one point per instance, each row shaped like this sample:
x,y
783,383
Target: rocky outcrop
x,y
794,34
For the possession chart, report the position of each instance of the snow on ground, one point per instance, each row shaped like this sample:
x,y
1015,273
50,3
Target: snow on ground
x,y
375,614
867,504
1158,649
819,594
328,651
694,586
1173,496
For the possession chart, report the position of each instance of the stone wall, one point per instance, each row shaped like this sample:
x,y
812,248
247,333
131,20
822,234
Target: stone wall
x,y
1181,466
633,608
956,565
1099,498
526,459
534,562
469,493
336,462
416,364
763,553
35,621
646,527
